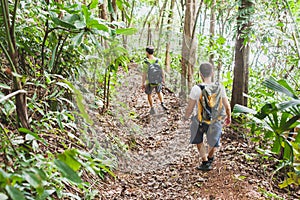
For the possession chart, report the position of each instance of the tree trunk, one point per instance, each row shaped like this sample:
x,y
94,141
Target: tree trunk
x,y
149,35
144,24
212,29
188,48
169,29
129,23
240,79
103,15
103,11
114,14
12,56
161,20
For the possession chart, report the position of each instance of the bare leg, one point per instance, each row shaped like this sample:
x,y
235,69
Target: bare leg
x,y
160,97
211,151
202,152
150,100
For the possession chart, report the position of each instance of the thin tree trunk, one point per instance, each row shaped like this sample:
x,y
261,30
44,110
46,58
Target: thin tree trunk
x,y
161,25
125,37
114,15
145,22
169,29
204,20
103,11
212,29
149,35
104,91
103,15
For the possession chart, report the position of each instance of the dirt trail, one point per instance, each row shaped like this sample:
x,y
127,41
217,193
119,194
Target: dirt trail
x,y
161,164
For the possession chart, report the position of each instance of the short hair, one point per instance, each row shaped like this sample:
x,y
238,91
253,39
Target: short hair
x,y
150,49
206,69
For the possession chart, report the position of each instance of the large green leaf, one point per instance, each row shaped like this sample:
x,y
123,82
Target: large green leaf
x,y
287,104
282,87
276,145
33,179
87,14
110,7
243,109
288,151
51,63
45,194
266,110
14,193
63,24
287,125
69,158
126,31
97,24
94,4
297,139
67,171
35,135
77,40
71,19
285,84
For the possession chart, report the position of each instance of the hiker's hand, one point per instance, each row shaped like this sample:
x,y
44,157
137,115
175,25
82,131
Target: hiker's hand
x,y
143,87
185,119
227,121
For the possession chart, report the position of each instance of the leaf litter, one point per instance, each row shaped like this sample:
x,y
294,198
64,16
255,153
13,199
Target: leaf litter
x,y
159,162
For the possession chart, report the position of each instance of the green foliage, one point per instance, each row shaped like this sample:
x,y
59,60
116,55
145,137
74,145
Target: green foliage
x,y
53,40
43,175
274,121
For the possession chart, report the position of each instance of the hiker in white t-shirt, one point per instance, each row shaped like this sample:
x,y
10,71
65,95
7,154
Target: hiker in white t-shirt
x,y
212,106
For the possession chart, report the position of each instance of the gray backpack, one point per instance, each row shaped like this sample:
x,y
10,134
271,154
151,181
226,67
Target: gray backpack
x,y
210,106
154,72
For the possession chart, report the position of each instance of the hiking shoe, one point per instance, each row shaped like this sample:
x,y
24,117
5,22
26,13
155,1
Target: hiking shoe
x,y
152,111
210,160
205,166
163,106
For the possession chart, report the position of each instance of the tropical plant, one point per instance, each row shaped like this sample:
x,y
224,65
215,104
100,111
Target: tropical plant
x,y
276,122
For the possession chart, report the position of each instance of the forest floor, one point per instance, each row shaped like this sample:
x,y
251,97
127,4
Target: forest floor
x,y
161,164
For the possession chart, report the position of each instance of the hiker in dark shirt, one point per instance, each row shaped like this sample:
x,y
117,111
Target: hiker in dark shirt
x,y
146,85
200,125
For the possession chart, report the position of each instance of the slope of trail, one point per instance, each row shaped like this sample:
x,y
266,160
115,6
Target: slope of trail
x,y
161,164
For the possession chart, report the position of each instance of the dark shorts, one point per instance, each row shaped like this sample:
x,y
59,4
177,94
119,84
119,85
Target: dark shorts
x,y
213,134
149,88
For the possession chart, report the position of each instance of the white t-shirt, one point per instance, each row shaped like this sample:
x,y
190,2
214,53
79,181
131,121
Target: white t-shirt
x,y
196,92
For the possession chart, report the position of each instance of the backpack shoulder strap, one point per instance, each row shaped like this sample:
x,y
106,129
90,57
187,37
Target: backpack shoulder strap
x,y
201,86
146,61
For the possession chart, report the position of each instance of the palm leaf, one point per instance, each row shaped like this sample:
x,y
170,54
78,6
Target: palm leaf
x,y
279,86
287,104
243,109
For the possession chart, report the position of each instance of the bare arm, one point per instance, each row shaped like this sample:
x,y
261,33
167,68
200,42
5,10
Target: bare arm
x,y
143,78
189,108
143,81
228,111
